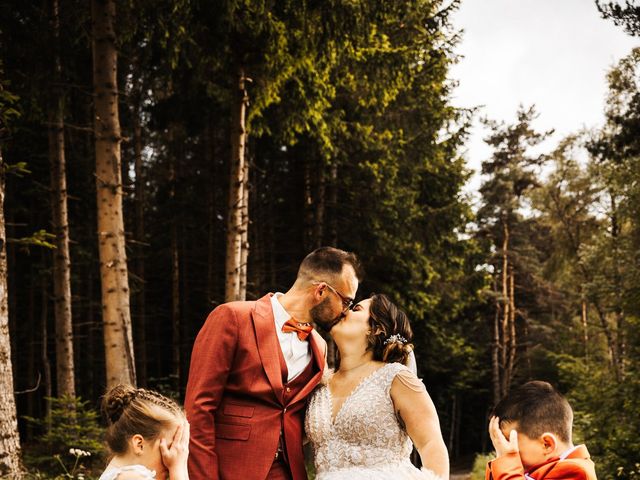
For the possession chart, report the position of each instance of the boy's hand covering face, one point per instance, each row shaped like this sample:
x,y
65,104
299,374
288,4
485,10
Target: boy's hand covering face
x,y
502,445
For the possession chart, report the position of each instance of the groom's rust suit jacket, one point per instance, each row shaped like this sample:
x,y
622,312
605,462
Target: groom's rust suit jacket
x,y
236,400
577,466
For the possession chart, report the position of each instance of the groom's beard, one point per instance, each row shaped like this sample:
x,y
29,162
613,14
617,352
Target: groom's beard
x,y
323,317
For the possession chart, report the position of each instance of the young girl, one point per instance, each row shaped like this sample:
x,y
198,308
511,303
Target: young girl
x,y
148,436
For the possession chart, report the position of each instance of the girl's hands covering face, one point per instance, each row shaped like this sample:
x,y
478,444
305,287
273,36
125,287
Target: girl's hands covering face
x,y
176,453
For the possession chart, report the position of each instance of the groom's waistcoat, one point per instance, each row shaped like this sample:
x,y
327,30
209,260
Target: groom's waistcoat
x,y
289,441
238,401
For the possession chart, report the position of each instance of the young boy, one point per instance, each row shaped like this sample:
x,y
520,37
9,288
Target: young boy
x,y
531,432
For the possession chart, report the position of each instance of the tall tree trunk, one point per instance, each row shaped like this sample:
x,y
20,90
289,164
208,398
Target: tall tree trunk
x,y
257,232
587,277
210,158
141,311
585,329
495,349
271,248
10,220
318,230
333,203
618,288
244,254
44,350
452,427
237,183
511,360
118,342
10,464
185,302
32,370
175,267
611,343
504,327
61,258
308,202
92,331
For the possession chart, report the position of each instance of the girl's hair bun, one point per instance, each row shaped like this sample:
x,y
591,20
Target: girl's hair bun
x,y
116,400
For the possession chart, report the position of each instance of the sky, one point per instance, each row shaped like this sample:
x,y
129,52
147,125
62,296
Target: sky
x,y
551,53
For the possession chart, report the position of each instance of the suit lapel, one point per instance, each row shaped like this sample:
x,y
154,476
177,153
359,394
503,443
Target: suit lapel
x,y
268,346
319,360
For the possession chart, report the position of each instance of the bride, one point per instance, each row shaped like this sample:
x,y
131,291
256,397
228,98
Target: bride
x,y
364,417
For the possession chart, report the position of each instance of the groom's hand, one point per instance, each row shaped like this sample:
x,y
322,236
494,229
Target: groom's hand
x,y
502,445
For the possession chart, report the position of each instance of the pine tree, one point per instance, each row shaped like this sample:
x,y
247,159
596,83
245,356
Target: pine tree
x,y
118,341
10,462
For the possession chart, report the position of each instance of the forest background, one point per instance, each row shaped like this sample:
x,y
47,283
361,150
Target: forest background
x,y
168,156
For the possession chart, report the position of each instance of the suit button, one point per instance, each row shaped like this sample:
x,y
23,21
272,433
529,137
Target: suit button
x,y
284,411
288,389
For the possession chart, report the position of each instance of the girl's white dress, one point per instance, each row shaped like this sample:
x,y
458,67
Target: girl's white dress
x,y
365,439
112,473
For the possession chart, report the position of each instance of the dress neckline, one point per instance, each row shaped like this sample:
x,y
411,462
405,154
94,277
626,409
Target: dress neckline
x,y
351,394
112,472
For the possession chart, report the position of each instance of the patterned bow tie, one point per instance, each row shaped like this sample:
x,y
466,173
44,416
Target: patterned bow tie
x,y
303,329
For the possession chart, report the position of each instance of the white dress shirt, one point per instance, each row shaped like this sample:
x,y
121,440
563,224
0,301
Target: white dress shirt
x,y
296,352
568,452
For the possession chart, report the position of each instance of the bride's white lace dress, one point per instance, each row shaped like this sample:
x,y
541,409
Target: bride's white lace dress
x,y
365,439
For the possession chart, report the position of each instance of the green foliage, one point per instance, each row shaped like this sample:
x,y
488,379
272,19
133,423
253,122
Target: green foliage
x,y
8,104
591,214
166,386
607,416
479,465
70,426
349,115
625,14
19,169
41,238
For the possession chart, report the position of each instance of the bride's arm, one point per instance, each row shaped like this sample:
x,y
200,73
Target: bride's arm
x,y
417,411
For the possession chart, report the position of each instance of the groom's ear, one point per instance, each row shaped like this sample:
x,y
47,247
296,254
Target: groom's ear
x,y
317,292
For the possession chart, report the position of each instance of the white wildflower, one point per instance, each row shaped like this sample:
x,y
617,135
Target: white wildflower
x,y
79,453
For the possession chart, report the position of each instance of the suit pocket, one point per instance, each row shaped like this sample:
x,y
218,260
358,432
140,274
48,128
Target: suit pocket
x,y
238,410
233,432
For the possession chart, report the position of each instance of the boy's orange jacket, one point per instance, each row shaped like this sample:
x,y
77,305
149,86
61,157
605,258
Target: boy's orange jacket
x,y
577,466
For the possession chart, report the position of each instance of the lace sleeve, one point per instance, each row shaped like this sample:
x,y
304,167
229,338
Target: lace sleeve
x,y
411,381
326,376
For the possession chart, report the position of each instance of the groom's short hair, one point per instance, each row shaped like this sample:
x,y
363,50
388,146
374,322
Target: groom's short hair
x,y
328,261
535,408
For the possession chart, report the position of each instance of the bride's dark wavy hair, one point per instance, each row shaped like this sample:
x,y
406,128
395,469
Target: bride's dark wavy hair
x,y
387,320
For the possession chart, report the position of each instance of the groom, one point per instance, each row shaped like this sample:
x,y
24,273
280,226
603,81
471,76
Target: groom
x,y
252,367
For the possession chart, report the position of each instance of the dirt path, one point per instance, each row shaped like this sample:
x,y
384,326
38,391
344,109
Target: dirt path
x,y
460,476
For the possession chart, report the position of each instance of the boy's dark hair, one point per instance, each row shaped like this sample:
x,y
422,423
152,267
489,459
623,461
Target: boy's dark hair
x,y
536,407
328,261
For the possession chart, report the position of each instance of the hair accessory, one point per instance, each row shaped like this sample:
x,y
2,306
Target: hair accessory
x,y
396,339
